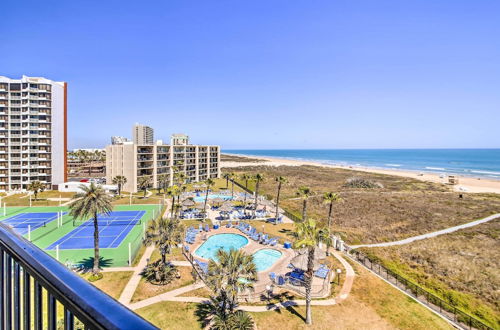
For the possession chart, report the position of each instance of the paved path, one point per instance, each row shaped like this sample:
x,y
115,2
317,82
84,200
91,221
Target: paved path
x,y
433,234
181,263
174,295
132,284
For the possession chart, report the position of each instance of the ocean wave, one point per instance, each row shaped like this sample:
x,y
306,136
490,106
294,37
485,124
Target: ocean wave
x,y
435,168
485,172
393,165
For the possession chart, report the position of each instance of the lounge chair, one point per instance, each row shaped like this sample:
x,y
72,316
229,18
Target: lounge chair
x,y
272,276
281,280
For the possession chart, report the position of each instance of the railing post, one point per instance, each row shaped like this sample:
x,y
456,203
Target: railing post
x,y
38,306
17,296
2,286
27,299
8,292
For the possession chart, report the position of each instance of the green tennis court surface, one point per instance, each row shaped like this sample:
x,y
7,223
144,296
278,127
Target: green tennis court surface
x,y
122,233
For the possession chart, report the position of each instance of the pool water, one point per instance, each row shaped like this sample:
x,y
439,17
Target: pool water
x,y
208,250
265,258
201,198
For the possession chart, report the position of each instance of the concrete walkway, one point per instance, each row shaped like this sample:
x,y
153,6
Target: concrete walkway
x,y
174,295
433,234
132,284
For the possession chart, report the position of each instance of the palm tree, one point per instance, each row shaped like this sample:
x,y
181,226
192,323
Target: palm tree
x,y
120,181
304,193
173,191
164,234
89,203
162,180
209,183
232,273
258,177
226,176
232,177
143,184
308,235
330,198
280,180
36,187
245,177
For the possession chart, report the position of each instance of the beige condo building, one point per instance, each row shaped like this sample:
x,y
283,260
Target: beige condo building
x,y
133,161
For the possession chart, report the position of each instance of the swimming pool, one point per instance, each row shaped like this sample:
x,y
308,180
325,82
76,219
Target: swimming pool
x,y
201,198
265,258
208,250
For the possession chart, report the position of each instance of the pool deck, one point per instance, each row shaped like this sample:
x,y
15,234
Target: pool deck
x,y
279,267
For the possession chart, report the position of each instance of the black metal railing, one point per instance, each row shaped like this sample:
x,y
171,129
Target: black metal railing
x,y
444,308
38,292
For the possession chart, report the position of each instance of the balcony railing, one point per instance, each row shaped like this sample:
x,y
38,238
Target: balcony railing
x,y
29,276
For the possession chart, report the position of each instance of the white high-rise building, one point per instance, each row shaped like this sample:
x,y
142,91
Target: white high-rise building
x,y
33,132
142,135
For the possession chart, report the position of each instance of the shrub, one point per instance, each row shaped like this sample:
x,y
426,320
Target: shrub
x,y
356,182
160,273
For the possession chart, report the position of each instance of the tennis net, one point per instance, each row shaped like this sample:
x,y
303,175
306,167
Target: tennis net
x,y
110,222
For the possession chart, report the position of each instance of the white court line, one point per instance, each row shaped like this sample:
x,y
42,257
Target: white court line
x,y
141,213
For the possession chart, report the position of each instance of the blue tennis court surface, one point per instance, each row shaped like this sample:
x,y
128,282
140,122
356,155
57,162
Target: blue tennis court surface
x,y
113,229
23,221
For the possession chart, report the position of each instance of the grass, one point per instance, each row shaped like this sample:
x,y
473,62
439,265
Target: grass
x,y
112,283
372,304
171,315
147,290
404,207
461,268
203,292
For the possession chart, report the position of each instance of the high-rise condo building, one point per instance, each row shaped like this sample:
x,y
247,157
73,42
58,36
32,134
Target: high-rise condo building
x,y
161,162
33,132
142,134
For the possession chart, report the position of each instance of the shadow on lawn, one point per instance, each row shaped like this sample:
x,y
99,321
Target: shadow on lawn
x,y
87,264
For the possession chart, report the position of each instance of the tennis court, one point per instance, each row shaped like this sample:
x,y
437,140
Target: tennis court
x,y
23,222
113,229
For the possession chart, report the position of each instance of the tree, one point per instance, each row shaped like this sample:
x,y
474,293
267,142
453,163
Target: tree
x,y
245,177
227,177
36,187
232,177
163,233
280,180
308,235
304,193
258,177
209,183
143,184
173,191
89,203
330,198
162,181
120,181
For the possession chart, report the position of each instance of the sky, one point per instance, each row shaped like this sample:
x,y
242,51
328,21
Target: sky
x,y
267,74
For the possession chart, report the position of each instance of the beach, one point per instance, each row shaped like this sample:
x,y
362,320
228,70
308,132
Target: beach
x,y
466,183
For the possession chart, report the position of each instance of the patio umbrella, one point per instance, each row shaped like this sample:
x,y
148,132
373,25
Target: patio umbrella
x,y
226,208
318,253
300,262
188,202
218,200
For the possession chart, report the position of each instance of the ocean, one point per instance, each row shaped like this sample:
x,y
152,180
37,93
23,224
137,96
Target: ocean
x,y
468,162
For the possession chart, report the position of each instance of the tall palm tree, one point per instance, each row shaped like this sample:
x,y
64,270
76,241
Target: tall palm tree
x,y
164,234
258,177
143,184
226,176
162,180
281,180
330,198
173,191
120,181
232,177
209,183
304,193
246,177
232,273
89,203
308,235
36,187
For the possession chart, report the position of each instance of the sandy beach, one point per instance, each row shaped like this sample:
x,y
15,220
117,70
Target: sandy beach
x,y
466,184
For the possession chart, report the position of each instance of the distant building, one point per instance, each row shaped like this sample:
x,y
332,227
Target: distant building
x,y
119,140
33,132
133,161
142,135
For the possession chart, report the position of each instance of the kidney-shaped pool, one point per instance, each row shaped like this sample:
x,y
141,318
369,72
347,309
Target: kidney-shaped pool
x,y
226,242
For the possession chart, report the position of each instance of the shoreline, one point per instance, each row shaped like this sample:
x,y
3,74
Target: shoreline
x,y
466,183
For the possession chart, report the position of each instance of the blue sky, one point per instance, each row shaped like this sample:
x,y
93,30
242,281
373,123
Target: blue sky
x,y
267,74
